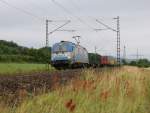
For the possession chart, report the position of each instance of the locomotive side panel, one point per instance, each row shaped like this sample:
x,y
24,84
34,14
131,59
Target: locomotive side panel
x,y
80,55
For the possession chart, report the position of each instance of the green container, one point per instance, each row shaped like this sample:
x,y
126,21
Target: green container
x,y
94,59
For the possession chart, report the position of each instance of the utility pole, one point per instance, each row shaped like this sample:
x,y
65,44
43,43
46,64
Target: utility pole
x,y
95,54
47,40
137,55
57,29
118,36
124,53
54,30
95,49
118,40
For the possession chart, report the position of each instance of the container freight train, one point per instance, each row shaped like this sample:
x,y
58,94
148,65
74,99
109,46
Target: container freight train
x,y
70,55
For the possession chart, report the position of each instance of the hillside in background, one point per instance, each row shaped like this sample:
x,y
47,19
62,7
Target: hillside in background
x,y
12,52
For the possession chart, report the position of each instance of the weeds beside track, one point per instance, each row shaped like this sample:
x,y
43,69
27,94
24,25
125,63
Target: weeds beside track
x,y
118,90
11,87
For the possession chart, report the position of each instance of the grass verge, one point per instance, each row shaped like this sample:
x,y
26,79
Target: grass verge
x,y
125,90
16,68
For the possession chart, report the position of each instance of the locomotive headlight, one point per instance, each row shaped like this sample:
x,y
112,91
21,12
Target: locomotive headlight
x,y
53,56
68,55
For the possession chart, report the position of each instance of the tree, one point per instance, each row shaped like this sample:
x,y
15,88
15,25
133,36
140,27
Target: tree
x,y
11,52
124,62
133,63
143,63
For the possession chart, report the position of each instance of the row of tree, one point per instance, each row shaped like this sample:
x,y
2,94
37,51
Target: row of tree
x,y
140,63
11,52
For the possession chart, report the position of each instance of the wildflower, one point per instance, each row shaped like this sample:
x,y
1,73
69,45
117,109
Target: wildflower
x,y
104,95
70,105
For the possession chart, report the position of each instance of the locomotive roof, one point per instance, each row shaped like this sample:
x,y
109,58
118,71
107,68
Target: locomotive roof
x,y
74,44
68,42
71,43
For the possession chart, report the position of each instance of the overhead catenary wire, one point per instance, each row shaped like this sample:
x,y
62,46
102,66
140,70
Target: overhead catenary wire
x,y
70,13
74,5
39,18
21,10
35,4
118,36
105,25
60,26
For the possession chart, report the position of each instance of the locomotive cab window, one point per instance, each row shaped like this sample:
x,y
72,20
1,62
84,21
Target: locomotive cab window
x,y
62,47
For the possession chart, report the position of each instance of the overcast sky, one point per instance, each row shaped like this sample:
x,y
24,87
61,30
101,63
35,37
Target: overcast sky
x,y
24,22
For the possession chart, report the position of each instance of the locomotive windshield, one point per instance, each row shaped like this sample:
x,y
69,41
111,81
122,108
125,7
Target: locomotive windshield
x,y
62,47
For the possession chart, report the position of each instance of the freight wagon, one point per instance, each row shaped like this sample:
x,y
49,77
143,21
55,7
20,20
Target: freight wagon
x,y
108,61
112,61
94,60
104,61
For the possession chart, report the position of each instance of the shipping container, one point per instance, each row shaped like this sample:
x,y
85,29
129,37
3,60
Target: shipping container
x,y
104,61
112,61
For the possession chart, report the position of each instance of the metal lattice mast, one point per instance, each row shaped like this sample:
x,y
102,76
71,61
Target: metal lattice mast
x,y
47,40
118,40
118,36
137,55
56,29
124,53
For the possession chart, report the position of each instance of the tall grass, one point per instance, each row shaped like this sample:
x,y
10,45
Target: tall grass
x,y
125,90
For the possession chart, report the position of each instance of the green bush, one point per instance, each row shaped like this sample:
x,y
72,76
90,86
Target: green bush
x,y
140,63
11,52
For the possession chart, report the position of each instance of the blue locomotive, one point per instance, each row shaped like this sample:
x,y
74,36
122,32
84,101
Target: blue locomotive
x,y
66,54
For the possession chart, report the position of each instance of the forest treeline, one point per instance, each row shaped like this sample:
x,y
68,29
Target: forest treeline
x,y
12,52
139,63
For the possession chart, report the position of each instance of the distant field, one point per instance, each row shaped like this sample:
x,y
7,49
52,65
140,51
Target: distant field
x,y
14,68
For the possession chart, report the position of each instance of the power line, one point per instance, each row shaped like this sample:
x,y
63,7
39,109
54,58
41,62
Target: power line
x,y
118,36
70,13
74,5
56,29
106,25
67,22
21,10
34,3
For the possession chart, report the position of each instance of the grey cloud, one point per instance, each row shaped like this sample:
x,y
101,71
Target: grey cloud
x,y
29,31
